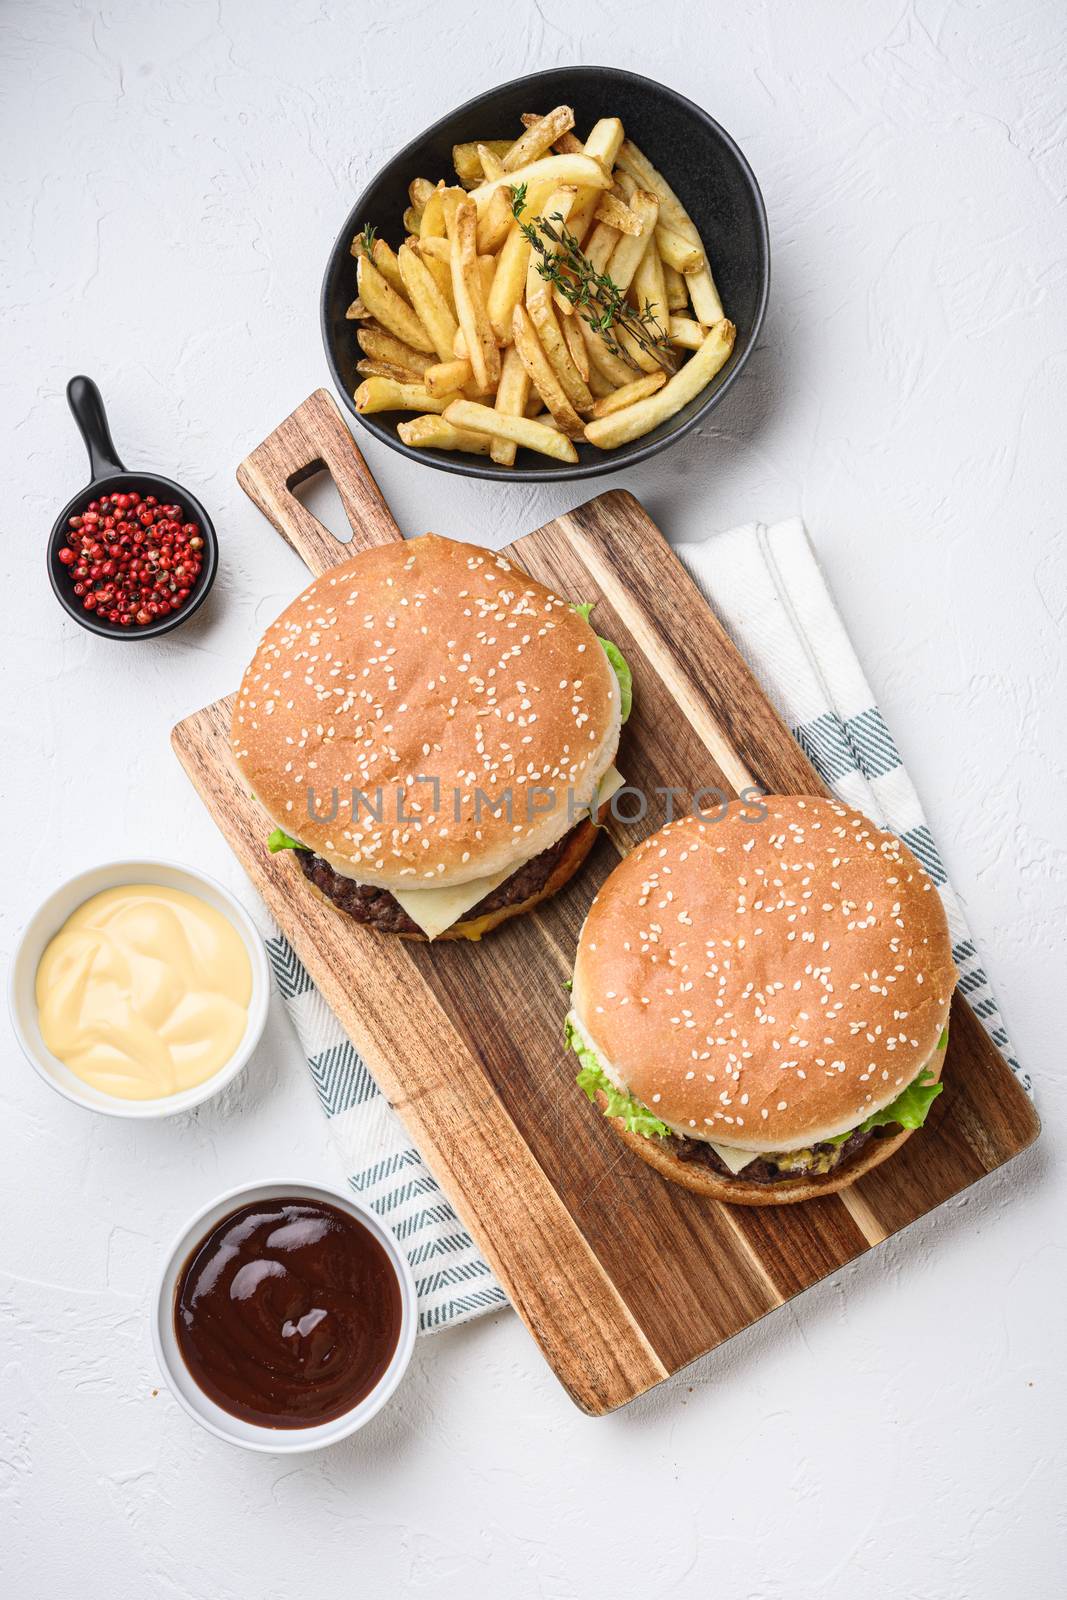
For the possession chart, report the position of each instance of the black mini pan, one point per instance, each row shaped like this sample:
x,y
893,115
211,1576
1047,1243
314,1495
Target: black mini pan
x,y
109,476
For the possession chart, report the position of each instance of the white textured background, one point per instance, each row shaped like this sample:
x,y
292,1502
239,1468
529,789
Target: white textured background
x,y
173,175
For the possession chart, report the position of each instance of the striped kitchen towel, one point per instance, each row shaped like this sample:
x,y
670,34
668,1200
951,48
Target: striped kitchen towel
x,y
766,587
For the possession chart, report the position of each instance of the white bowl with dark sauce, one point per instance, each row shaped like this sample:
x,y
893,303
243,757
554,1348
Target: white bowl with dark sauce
x,y
285,1317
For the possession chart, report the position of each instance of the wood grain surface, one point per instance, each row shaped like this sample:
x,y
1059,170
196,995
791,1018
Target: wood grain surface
x,y
621,1277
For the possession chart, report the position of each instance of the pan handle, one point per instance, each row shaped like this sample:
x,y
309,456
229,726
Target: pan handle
x,y
87,407
314,438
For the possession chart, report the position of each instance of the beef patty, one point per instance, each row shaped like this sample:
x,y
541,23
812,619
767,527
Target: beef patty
x,y
765,1170
377,908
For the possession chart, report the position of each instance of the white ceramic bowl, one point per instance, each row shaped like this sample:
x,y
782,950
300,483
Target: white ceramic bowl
x,y
182,1384
47,921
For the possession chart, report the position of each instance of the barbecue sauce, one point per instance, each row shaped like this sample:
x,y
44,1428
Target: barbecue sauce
x,y
288,1312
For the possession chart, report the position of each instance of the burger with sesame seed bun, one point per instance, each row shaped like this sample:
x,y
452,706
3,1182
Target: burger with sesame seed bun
x,y
761,999
433,733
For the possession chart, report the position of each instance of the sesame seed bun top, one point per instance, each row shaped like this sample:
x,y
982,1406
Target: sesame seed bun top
x,y
765,984
418,661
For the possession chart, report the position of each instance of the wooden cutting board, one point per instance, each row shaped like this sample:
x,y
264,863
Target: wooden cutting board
x,y
621,1277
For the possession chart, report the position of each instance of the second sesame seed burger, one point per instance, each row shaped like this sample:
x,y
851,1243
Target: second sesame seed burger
x,y
430,729
761,1002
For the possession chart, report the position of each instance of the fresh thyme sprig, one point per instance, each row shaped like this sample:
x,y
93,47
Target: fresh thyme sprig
x,y
595,296
364,241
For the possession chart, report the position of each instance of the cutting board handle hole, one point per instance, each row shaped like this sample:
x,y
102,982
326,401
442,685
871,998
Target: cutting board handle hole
x,y
314,487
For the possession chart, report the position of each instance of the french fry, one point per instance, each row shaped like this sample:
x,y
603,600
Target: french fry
x,y
520,430
649,291
640,389
451,199
509,283
412,220
434,433
385,369
459,346
600,244
384,394
605,141
394,313
626,256
605,361
614,211
577,169
381,346
557,206
385,260
677,293
543,317
419,192
429,304
599,387
643,360
439,267
509,280
487,269
513,391
467,288
626,185
542,375
447,377
357,311
538,138
705,297
433,217
492,165
576,346
678,252
566,144
685,333
581,220
440,249
468,162
638,419
495,222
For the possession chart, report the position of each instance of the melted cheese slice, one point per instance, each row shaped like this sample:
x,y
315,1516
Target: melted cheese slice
x,y
734,1159
435,910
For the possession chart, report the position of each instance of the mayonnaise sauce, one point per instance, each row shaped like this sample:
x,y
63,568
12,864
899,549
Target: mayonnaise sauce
x,y
144,991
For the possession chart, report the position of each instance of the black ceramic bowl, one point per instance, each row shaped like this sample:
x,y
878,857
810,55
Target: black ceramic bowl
x,y
109,476
697,157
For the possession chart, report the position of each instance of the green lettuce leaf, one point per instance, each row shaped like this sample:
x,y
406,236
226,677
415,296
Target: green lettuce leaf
x,y
911,1106
593,1080
620,665
280,840
623,673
